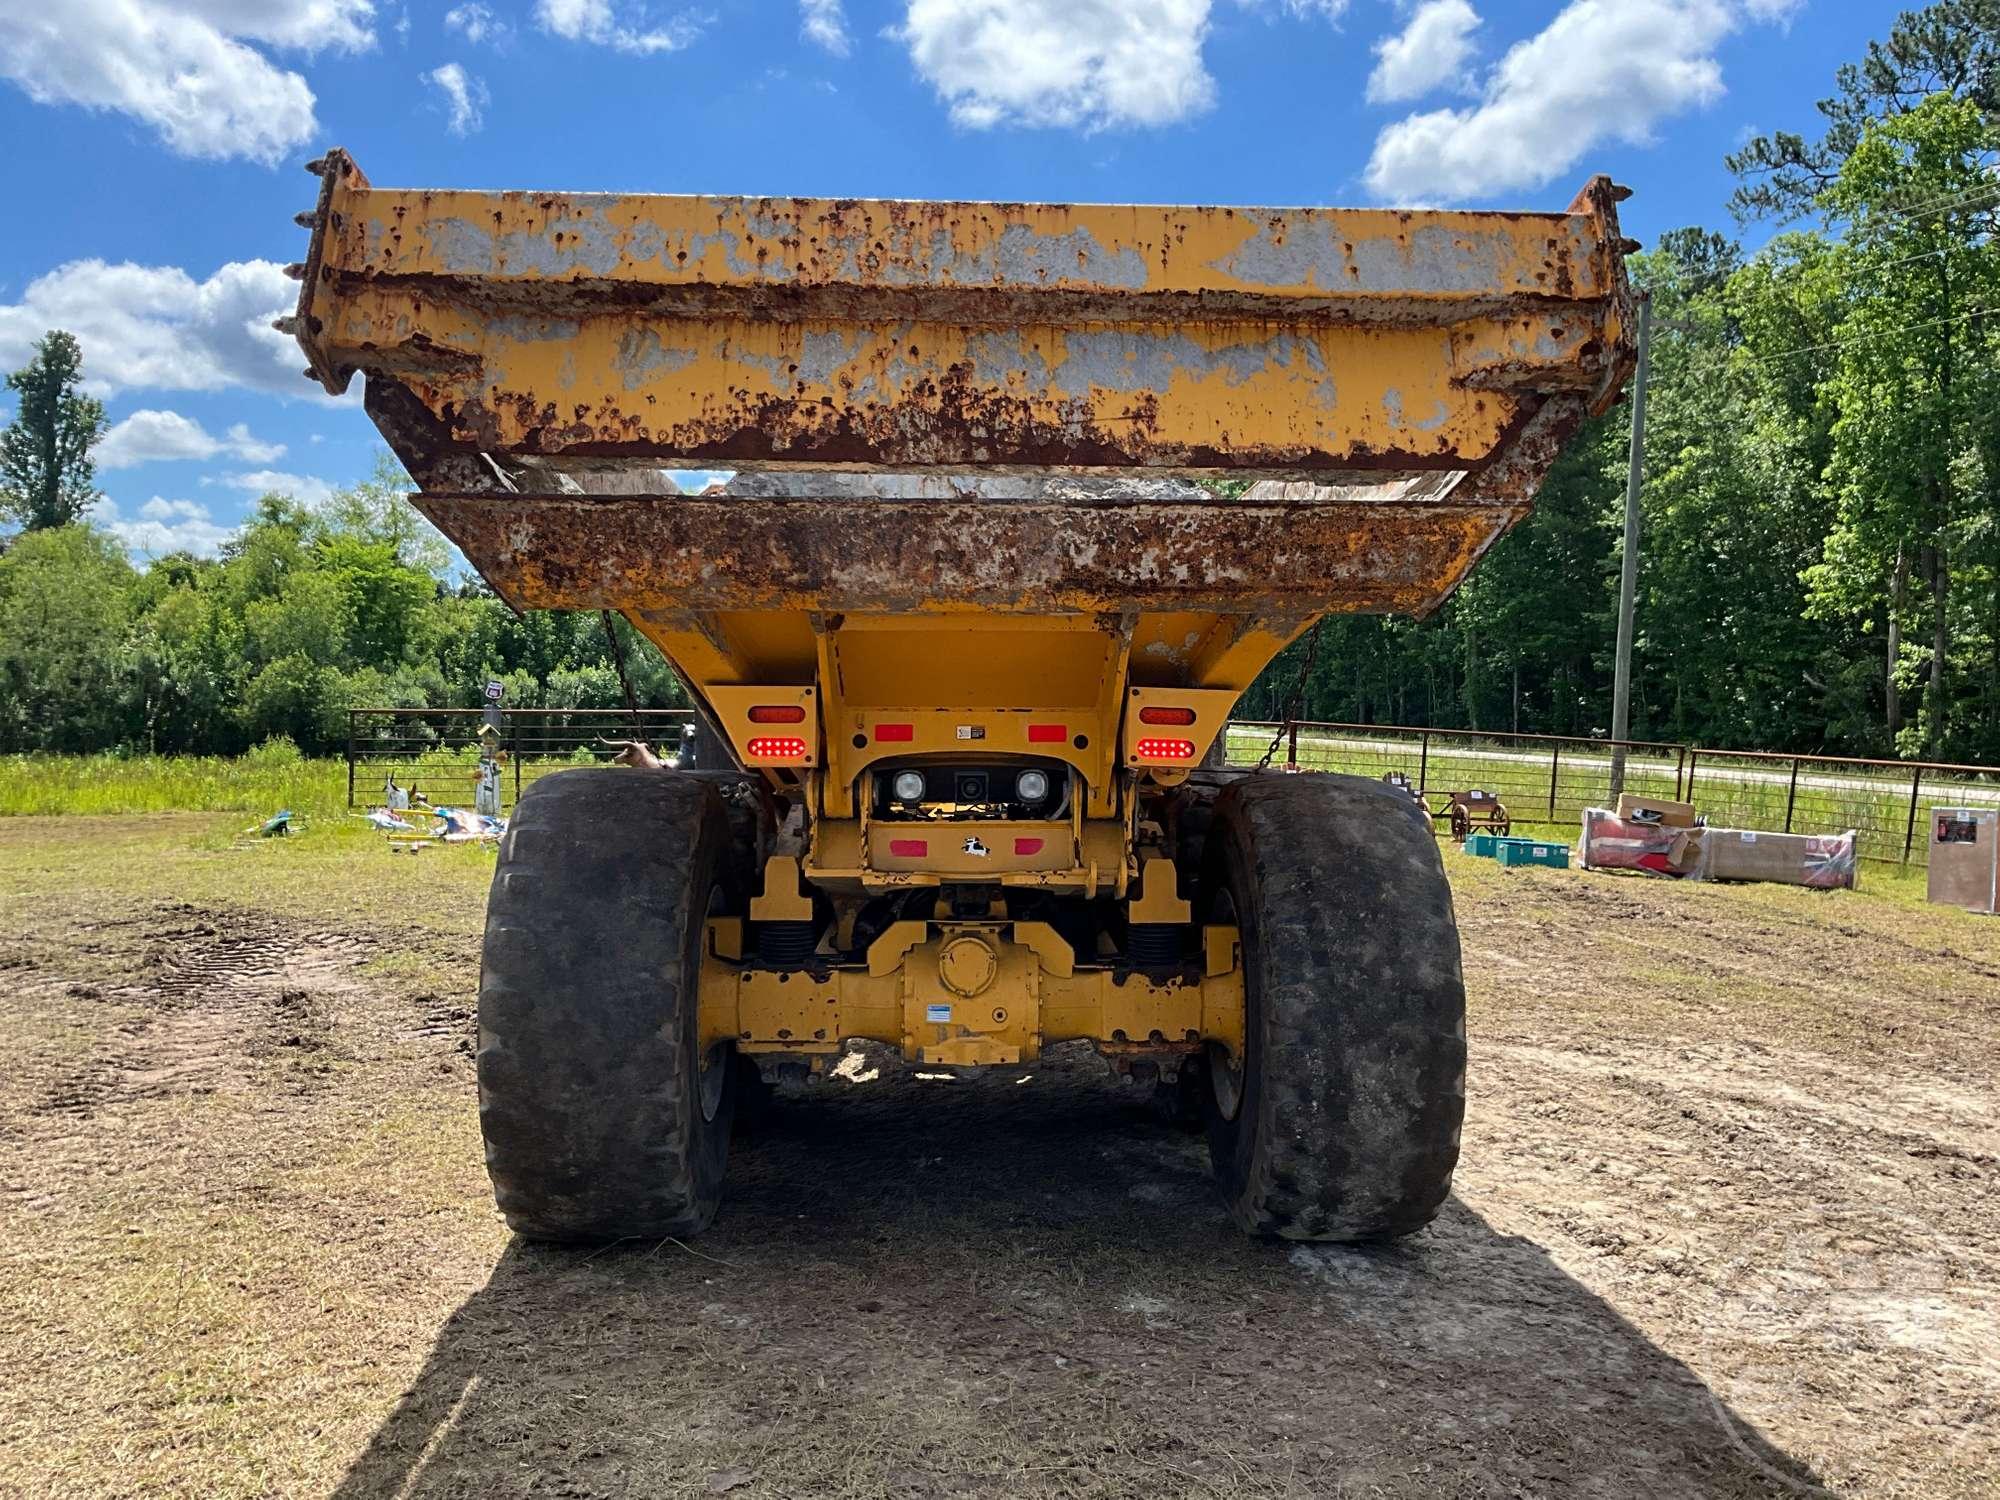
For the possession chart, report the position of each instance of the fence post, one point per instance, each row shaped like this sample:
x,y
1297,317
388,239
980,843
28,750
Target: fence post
x,y
1910,833
1680,768
1292,747
514,739
351,713
1693,755
1424,763
1555,758
1791,794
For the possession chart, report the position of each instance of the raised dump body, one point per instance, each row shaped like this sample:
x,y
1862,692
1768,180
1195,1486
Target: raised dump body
x,y
971,613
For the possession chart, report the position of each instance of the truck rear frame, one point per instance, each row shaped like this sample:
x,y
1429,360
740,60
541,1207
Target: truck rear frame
x,y
972,612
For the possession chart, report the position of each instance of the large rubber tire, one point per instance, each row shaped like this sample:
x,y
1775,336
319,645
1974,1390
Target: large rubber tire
x,y
600,1123
1352,1089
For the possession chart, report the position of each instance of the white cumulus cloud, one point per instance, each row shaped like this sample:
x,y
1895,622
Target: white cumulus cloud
x,y
163,526
624,27
1431,50
303,488
1601,70
150,436
824,24
476,23
1087,64
157,328
464,97
308,25
184,68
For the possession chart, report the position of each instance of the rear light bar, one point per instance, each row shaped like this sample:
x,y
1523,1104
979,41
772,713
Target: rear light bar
x,y
778,713
777,747
1152,749
1160,715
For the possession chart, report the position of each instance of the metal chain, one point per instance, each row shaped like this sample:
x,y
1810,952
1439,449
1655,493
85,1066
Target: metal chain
x,y
618,660
1297,700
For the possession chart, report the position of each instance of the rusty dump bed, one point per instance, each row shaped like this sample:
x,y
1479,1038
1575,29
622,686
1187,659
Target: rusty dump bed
x,y
983,409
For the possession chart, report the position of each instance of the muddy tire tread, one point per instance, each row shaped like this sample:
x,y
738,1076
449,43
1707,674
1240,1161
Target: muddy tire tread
x,y
588,1089
1358,1004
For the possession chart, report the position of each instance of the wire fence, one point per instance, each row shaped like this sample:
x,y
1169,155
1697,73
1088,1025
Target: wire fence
x,y
1548,780
1545,781
1542,780
436,750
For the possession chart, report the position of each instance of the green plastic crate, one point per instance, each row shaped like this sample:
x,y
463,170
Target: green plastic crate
x,y
1482,844
1514,852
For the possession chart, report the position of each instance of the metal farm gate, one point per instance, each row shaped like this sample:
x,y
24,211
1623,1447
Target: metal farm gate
x,y
437,749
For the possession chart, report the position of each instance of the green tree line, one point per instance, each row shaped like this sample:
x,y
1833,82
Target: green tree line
x,y
1821,553
306,613
1821,509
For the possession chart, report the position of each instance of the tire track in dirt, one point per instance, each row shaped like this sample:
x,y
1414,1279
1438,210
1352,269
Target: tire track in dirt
x,y
214,994
198,1002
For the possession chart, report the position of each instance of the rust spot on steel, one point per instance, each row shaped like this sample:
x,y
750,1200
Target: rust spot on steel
x,y
482,307
731,553
1424,368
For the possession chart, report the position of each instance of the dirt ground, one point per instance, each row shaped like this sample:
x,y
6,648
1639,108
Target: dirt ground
x,y
1725,1226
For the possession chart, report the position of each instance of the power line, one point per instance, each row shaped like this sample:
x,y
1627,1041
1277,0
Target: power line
x,y
1942,204
1874,338
1731,364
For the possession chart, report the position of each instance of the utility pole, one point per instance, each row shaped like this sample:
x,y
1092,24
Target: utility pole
x,y
1628,572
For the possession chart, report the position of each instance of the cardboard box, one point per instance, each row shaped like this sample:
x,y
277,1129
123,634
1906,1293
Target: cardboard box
x,y
1684,854
1964,858
1668,814
1824,861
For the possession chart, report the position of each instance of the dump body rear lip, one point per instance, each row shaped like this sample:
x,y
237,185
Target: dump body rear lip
x,y
1340,345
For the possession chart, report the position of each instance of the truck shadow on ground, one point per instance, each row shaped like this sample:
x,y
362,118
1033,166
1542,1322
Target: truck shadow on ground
x,y
998,1289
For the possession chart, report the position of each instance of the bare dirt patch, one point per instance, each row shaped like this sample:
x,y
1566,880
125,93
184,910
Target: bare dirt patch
x,y
1725,1227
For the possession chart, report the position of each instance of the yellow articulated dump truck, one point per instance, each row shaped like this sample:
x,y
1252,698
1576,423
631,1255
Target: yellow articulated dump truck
x,y
970,619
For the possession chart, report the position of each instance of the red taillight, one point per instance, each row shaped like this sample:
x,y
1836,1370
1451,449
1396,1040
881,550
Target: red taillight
x,y
909,848
1155,714
777,747
1027,846
778,713
1047,734
896,732
1150,749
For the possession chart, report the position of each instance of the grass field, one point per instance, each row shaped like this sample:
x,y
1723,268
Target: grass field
x,y
38,785
1732,794
32,785
1725,1224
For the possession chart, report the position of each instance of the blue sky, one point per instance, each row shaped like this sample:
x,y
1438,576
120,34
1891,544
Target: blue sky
x,y
156,146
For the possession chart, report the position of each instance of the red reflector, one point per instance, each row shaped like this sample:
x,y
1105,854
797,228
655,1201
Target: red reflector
x,y
1165,749
777,747
777,713
1047,734
1158,715
895,732
1027,846
909,848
